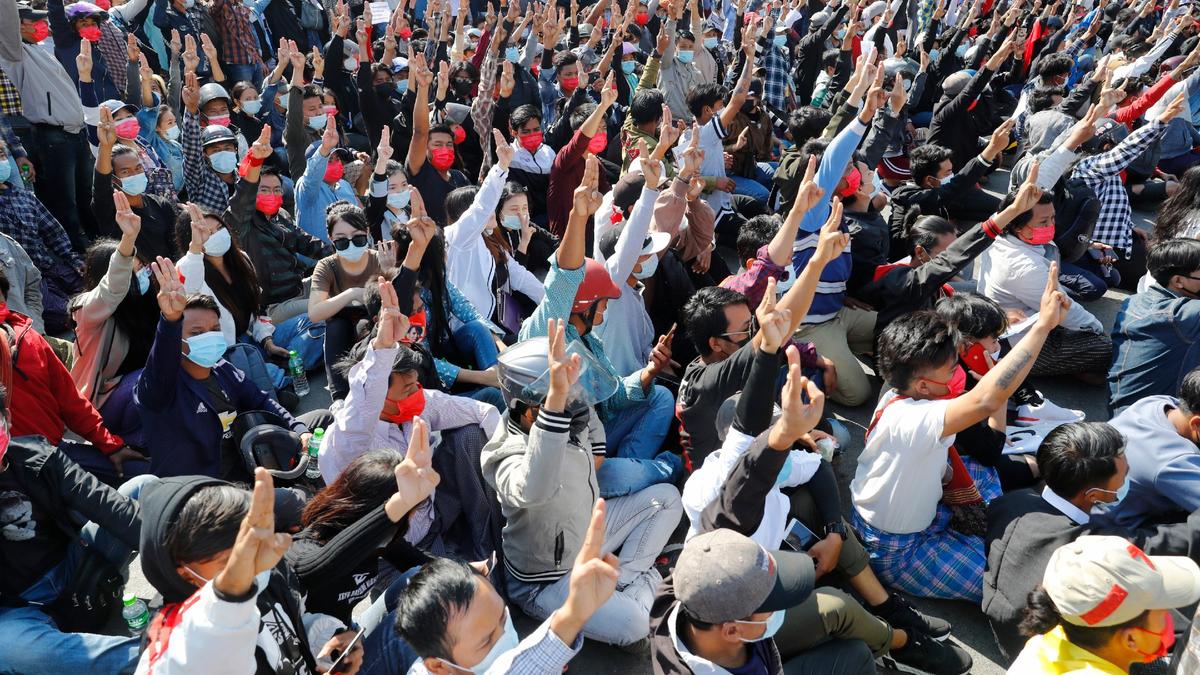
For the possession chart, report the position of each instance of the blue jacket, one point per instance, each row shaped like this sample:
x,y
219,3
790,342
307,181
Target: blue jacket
x,y
1164,467
1155,343
182,430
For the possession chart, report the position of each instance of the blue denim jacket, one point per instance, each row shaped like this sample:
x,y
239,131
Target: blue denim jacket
x,y
1155,343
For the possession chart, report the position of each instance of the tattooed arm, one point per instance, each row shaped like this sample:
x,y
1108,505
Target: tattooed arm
x,y
1002,380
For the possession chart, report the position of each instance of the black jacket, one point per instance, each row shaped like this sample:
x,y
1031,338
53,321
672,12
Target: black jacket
x,y
1024,530
63,488
957,124
911,201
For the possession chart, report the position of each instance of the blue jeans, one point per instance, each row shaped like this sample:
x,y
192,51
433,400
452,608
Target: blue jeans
x,y
384,651
31,643
1081,283
750,188
242,72
476,340
303,337
634,438
764,172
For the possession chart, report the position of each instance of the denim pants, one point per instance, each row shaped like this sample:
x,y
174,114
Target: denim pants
x,y
1084,284
634,437
476,340
64,178
31,643
242,72
750,188
119,413
636,528
302,336
384,651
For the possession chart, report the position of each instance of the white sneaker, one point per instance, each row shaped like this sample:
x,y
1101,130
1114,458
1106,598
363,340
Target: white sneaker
x,y
1047,411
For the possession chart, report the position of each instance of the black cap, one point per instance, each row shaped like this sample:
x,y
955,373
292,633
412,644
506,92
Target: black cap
x,y
29,13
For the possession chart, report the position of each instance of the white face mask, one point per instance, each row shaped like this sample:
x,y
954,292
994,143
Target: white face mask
x,y
773,623
506,643
218,243
649,266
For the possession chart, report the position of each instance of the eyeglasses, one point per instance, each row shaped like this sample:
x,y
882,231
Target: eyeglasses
x,y
358,240
748,330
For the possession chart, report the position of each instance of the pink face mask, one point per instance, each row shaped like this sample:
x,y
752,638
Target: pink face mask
x,y
1042,235
128,128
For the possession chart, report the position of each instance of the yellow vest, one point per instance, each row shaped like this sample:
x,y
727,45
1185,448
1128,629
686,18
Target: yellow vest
x,y
1053,654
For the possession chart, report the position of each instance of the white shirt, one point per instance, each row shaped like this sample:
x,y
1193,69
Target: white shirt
x,y
712,135
1013,273
898,483
1067,508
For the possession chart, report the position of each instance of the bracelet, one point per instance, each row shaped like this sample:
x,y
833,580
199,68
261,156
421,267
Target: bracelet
x,y
991,229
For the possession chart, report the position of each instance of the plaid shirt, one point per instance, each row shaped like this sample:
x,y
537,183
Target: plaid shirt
x,y
10,96
26,219
775,89
238,45
203,185
1102,173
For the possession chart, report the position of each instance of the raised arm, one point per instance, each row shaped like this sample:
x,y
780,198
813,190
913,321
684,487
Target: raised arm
x,y
418,147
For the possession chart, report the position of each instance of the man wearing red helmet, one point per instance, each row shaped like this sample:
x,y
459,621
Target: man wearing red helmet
x,y
578,290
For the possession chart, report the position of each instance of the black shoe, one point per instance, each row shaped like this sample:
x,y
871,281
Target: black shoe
x,y
899,614
923,654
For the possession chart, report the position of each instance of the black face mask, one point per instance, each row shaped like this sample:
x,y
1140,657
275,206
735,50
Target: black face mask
x,y
461,87
750,108
386,89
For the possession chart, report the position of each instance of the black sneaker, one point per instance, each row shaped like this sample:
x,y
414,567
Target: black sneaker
x,y
925,655
899,614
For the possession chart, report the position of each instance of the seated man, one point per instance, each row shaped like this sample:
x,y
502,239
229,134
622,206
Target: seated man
x,y
543,463
447,606
636,416
188,400
44,401
924,532
1162,433
1154,335
1085,468
46,499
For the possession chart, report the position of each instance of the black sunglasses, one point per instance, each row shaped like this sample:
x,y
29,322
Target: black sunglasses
x,y
343,244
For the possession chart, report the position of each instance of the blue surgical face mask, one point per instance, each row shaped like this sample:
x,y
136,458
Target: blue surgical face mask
x,y
960,51
711,42
143,280
252,107
773,623
134,185
628,66
218,243
512,54
317,122
402,86
1105,507
945,180
171,133
784,473
399,200
685,55
511,222
283,102
649,265
224,161
353,253
5,170
206,349
840,34
933,55
779,40
507,642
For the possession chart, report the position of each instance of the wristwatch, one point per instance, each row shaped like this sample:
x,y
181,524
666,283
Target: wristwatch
x,y
838,528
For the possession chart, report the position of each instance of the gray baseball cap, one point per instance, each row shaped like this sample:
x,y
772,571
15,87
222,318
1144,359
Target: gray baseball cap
x,y
726,576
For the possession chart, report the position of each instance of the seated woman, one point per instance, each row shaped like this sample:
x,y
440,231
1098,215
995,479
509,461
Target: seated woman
x,y
247,109
388,201
481,262
114,319
338,287
1013,273
216,266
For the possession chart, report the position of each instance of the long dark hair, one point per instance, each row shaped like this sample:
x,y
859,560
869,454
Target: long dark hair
x,y
364,486
1041,616
243,292
136,316
432,277
1174,212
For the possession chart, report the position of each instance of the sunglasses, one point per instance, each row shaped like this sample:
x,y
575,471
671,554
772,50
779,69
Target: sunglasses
x,y
358,240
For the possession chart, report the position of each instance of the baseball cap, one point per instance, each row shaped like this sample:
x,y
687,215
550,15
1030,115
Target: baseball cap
x,y
585,29
726,576
115,105
399,63
1099,581
26,11
654,242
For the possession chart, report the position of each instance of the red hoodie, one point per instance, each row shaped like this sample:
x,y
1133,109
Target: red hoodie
x,y
43,399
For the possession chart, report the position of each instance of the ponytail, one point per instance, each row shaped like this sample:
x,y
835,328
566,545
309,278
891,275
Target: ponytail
x,y
1041,616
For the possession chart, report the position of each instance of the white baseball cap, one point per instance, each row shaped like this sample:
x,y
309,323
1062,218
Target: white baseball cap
x,y
1107,581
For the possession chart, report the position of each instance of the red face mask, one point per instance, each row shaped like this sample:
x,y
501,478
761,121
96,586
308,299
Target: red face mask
x,y
642,18
1042,235
104,4
127,128
532,142
460,135
416,328
334,172
268,204
90,33
956,385
568,84
598,143
41,31
219,120
441,158
1166,640
407,408
853,182
405,33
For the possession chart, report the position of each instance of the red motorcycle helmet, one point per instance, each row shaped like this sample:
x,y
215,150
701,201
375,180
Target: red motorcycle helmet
x,y
596,286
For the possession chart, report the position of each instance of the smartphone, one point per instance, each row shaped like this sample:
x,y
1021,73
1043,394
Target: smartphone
x,y
799,538
337,665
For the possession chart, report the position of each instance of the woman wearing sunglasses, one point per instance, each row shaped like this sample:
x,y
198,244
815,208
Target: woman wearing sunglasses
x,y
338,286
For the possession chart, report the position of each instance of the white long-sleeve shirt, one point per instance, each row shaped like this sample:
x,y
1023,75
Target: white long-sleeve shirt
x,y
627,331
191,266
469,264
1013,273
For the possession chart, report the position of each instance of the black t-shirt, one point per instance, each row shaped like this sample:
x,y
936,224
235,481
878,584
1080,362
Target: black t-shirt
x,y
232,467
31,542
704,387
434,190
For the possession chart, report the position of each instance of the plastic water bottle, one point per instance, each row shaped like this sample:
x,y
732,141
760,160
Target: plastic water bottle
x,y
312,471
299,377
136,613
